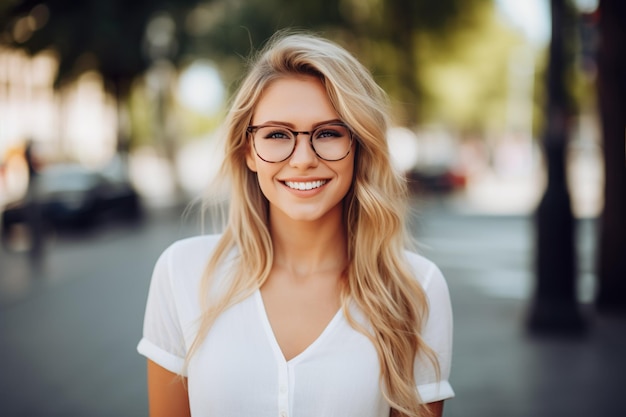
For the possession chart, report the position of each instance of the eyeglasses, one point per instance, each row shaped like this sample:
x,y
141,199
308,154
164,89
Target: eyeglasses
x,y
276,143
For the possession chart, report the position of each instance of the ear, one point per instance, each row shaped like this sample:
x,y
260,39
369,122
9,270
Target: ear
x,y
251,160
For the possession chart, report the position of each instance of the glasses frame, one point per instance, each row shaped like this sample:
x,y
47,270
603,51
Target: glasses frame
x,y
253,129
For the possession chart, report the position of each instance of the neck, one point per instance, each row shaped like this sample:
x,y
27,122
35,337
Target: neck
x,y
306,248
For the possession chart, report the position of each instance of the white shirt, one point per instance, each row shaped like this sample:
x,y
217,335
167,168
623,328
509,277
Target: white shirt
x,y
239,370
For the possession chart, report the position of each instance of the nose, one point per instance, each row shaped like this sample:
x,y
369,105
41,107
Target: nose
x,y
303,155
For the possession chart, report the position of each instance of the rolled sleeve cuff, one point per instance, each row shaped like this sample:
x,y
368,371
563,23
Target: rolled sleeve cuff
x,y
437,391
162,358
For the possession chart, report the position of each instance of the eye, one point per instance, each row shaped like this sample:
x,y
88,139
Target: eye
x,y
330,132
274,133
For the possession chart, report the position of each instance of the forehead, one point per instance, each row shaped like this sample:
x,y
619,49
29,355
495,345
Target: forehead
x,y
300,100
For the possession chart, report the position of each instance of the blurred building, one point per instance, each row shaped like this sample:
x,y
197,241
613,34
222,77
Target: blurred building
x,y
76,122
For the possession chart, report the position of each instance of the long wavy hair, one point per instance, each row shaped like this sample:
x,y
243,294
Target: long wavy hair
x,y
378,279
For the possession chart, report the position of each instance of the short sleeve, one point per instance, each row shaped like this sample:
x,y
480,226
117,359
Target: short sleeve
x,y
437,334
162,340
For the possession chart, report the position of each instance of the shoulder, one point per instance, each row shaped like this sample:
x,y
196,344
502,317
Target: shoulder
x,y
425,270
191,249
193,246
187,256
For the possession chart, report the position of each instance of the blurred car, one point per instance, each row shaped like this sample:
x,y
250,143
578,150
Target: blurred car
x,y
435,180
70,196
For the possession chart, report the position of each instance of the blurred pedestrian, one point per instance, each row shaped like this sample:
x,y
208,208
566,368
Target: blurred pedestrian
x,y
33,204
308,304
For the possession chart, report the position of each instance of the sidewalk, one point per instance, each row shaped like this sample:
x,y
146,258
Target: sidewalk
x,y
498,368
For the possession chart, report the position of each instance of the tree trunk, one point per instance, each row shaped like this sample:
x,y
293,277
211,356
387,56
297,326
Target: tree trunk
x,y
554,308
611,295
120,87
402,35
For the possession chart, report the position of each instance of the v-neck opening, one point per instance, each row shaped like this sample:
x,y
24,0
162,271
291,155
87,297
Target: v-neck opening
x,y
269,330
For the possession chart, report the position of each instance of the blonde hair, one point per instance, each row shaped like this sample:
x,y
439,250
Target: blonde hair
x,y
378,279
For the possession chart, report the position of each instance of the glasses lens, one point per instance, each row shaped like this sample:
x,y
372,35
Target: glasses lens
x,y
332,142
273,143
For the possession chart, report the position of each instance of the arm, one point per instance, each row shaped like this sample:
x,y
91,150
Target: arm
x,y
167,393
435,409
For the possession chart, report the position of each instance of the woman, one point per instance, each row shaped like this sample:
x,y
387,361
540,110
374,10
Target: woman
x,y
307,304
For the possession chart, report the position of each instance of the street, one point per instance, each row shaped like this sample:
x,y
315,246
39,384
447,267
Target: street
x,y
68,331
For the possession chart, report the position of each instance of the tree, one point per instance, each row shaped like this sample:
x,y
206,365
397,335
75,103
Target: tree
x,y
106,36
554,308
110,36
611,296
382,33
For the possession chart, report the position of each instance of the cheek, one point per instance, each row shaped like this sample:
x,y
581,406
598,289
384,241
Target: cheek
x,y
265,177
351,168
349,176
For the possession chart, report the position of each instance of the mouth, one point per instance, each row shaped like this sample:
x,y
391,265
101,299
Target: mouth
x,y
304,185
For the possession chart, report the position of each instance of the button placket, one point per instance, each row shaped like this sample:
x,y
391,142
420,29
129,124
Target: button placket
x,y
283,390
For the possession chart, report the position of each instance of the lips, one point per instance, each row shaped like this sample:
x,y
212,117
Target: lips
x,y
305,185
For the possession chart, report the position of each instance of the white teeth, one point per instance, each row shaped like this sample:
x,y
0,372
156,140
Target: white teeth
x,y
302,186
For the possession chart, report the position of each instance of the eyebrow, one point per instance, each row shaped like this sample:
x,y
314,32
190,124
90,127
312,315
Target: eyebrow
x,y
292,126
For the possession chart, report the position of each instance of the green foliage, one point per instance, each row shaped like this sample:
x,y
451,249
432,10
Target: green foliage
x,y
465,78
444,60
108,36
141,112
381,33
194,124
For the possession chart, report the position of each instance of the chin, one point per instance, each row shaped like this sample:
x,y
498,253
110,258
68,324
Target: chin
x,y
310,213
304,217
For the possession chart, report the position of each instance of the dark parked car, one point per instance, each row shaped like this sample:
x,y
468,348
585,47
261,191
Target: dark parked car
x,y
70,196
435,180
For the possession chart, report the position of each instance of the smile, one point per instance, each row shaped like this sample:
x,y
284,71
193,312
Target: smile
x,y
304,186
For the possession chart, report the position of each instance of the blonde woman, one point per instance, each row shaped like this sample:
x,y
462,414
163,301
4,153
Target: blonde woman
x,y
308,303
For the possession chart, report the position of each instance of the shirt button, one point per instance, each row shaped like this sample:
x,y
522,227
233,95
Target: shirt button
x,y
283,413
283,389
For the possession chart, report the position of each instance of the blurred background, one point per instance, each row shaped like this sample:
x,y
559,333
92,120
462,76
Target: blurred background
x,y
508,122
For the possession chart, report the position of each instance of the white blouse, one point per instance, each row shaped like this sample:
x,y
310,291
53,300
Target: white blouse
x,y
239,370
